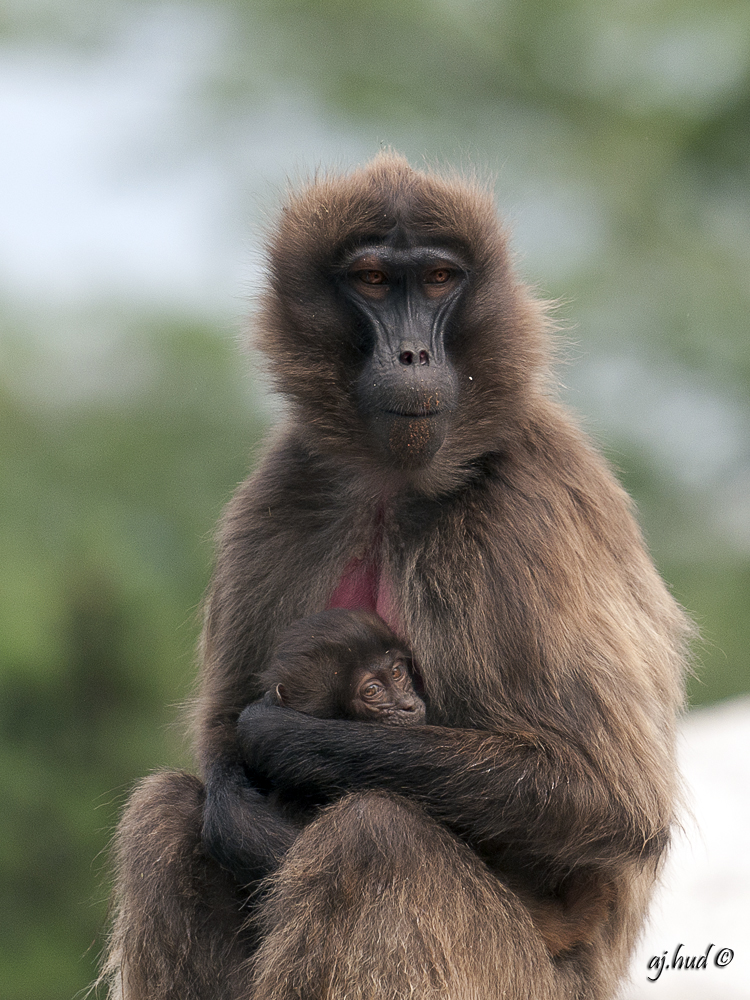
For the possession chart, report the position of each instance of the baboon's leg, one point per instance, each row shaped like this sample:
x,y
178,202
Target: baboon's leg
x,y
375,900
177,932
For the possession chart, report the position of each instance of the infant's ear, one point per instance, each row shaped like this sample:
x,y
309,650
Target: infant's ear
x,y
274,697
280,694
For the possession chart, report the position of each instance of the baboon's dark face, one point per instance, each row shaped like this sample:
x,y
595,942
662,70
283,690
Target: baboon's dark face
x,y
394,324
403,298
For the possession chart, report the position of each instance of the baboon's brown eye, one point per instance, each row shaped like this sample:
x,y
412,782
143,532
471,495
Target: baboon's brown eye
x,y
439,276
372,277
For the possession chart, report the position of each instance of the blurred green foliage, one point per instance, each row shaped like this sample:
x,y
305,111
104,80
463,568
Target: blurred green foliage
x,y
105,544
118,453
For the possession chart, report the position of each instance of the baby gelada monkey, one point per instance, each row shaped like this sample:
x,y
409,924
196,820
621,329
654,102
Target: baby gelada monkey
x,y
344,665
349,665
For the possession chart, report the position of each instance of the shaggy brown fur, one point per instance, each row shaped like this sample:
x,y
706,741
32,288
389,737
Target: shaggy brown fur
x,y
506,555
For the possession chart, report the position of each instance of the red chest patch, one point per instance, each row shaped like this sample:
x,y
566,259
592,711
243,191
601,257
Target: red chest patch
x,y
363,585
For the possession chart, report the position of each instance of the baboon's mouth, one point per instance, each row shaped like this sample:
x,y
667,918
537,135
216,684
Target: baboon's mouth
x,y
412,414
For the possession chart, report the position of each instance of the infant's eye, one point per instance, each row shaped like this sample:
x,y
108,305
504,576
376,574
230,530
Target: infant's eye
x,y
372,690
397,672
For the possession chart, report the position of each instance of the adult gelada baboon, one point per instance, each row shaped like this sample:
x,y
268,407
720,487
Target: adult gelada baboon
x,y
426,473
